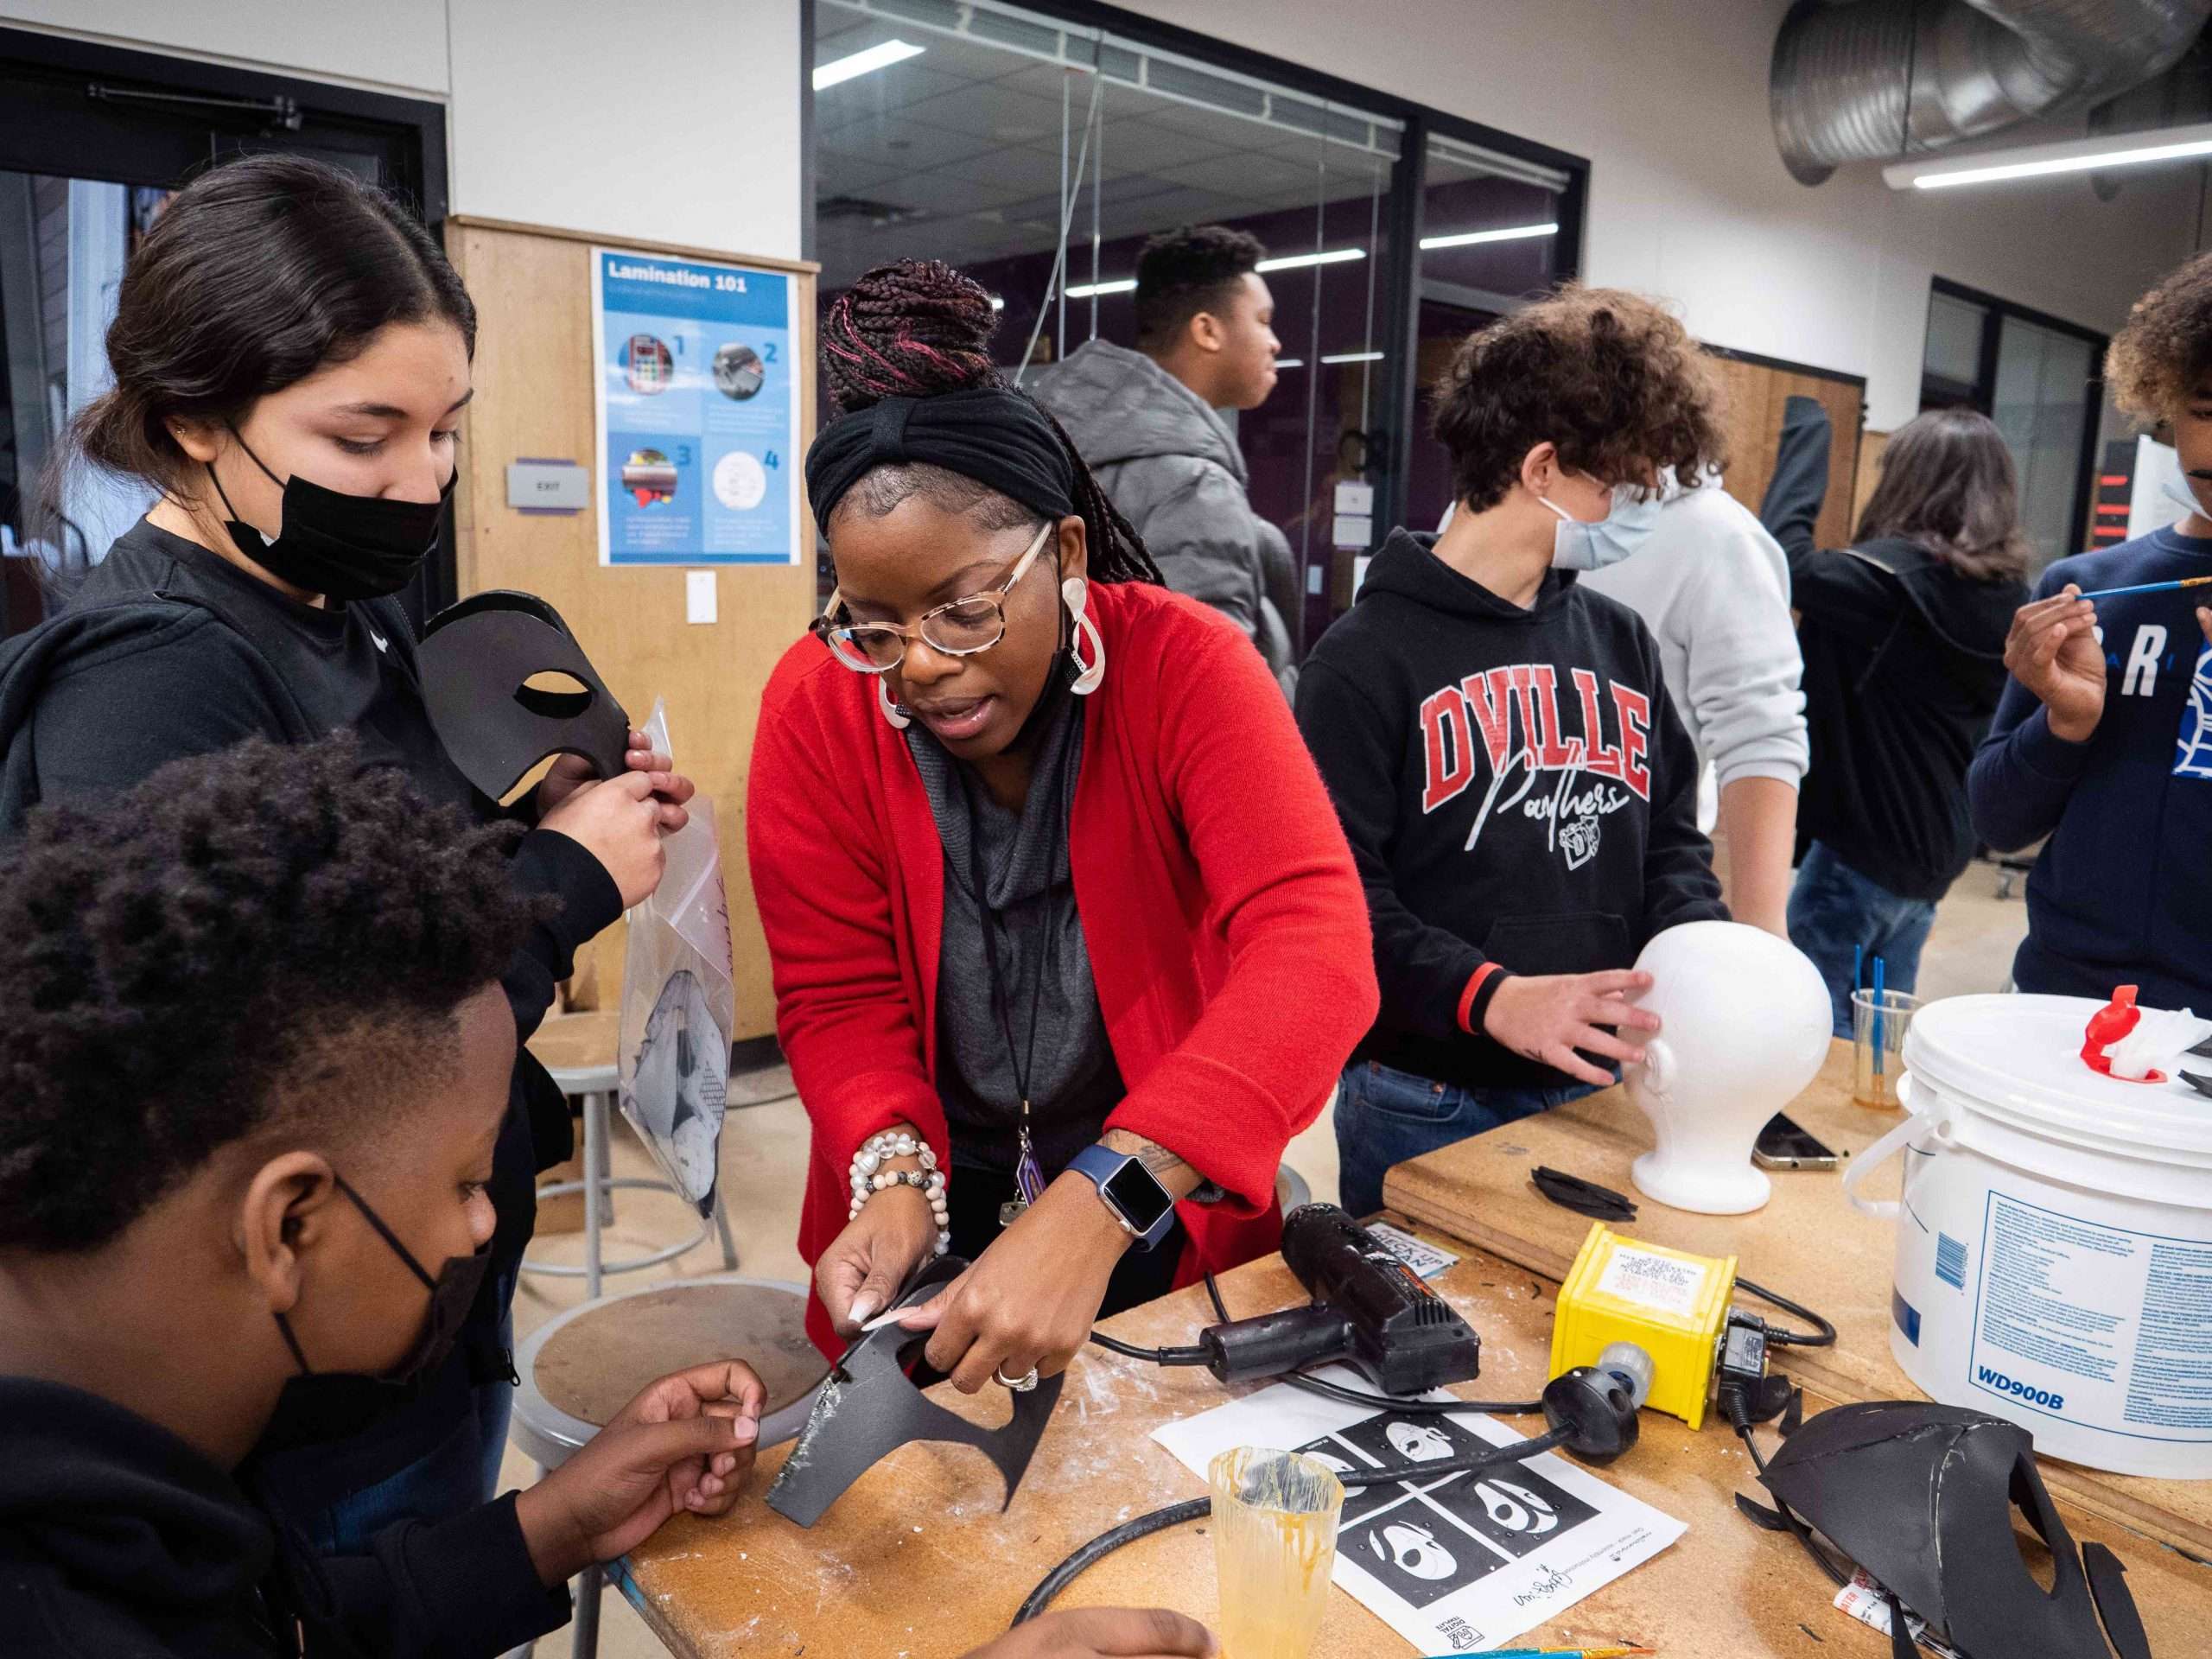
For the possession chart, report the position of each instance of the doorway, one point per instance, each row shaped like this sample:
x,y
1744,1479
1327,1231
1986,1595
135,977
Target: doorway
x,y
96,142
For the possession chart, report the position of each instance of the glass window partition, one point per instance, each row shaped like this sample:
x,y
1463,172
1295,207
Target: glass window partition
x,y
1039,155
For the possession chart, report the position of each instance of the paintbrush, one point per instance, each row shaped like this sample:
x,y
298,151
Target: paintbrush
x,y
2148,588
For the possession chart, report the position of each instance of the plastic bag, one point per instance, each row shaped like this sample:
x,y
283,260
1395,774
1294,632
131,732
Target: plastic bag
x,y
679,1003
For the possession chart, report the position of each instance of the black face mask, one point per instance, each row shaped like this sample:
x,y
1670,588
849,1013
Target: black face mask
x,y
451,1294
341,546
1921,1496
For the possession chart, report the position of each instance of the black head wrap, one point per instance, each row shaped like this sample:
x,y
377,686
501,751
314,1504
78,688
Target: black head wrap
x,y
992,435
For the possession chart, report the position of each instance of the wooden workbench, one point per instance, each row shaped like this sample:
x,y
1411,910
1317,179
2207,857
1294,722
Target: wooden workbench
x,y
916,1562
1809,1243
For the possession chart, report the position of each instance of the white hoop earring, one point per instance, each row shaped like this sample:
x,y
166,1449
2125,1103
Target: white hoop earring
x,y
891,712
1091,674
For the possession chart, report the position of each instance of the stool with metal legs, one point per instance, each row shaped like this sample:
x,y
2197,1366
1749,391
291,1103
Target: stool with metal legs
x,y
581,1367
594,1086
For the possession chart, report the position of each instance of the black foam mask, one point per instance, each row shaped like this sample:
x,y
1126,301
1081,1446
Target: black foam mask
x,y
476,660
1921,1496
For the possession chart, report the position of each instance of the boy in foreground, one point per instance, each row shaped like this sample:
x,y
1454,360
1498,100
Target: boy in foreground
x,y
194,1243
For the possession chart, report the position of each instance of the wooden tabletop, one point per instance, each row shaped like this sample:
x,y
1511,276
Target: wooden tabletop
x,y
1809,1243
916,1561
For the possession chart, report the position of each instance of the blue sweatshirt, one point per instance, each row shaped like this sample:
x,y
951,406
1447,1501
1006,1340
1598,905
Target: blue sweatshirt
x,y
2123,891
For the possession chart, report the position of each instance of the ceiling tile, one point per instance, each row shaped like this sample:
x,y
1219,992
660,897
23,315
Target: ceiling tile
x,y
993,112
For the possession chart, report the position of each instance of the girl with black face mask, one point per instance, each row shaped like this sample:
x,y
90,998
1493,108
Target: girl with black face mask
x,y
291,355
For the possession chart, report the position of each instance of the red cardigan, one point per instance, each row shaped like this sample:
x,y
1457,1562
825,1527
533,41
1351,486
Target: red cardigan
x,y
1227,927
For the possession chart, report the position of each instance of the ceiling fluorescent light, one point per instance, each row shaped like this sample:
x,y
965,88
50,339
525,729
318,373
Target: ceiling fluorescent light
x,y
863,63
1355,357
1295,261
997,304
1290,362
2043,160
1468,239
1084,290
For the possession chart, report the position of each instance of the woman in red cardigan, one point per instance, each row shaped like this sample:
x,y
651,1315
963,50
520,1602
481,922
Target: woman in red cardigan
x,y
1067,942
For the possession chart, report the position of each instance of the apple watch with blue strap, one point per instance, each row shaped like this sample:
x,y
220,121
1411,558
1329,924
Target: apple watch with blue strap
x,y
1131,1194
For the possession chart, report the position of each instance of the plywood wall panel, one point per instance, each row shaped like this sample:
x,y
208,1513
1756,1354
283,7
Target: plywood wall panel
x,y
1757,394
535,362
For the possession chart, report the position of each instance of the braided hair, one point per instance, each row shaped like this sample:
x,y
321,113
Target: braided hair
x,y
918,328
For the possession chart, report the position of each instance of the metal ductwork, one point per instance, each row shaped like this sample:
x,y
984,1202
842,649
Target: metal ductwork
x,y
1862,80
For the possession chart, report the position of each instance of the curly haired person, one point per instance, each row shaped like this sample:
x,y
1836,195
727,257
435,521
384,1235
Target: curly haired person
x,y
254,1070
224,1207
1520,795
2103,738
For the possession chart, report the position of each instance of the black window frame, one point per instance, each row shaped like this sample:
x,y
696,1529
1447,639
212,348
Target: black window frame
x,y
58,127
1402,224
1982,395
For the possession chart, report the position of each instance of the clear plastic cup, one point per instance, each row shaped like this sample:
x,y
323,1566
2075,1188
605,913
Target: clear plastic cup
x,y
1878,1027
1274,1544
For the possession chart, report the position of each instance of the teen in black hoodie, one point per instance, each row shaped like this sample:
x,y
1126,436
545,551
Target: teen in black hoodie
x,y
255,1068
254,1071
1904,640
1520,796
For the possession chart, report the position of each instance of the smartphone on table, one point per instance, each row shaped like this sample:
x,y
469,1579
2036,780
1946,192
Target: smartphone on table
x,y
1783,1144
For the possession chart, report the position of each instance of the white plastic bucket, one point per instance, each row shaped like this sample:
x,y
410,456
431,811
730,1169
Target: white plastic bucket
x,y
2054,1259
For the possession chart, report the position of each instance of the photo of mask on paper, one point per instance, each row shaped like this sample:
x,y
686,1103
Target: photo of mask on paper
x,y
678,1094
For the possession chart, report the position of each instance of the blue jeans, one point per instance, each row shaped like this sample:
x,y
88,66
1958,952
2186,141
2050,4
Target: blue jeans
x,y
1837,916
1385,1116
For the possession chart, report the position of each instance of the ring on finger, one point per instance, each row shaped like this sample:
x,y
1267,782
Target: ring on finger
x,y
1020,1384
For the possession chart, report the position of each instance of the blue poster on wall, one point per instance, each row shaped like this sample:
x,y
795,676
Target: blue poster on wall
x,y
698,414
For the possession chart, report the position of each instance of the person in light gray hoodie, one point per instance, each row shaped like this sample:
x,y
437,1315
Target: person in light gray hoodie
x,y
1144,422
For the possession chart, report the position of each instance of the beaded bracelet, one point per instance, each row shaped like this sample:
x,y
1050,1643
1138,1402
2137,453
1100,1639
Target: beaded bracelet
x,y
870,1178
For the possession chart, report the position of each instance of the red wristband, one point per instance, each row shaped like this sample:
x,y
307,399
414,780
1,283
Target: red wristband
x,y
1483,975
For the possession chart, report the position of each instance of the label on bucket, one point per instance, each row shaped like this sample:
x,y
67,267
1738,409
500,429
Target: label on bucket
x,y
2099,1325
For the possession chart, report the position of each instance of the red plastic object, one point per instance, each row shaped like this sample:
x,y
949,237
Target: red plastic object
x,y
2108,1025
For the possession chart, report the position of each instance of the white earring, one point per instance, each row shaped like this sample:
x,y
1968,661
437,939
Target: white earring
x,y
1091,674
899,718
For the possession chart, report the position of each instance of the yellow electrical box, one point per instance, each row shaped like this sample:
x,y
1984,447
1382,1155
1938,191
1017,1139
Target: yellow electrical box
x,y
1668,1303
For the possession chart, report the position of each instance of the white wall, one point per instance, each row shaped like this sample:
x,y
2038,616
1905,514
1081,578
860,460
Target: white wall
x,y
1668,98
560,112
395,45
676,122
568,113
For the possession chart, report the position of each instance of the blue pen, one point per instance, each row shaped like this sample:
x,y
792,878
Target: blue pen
x,y
1858,967
1877,1017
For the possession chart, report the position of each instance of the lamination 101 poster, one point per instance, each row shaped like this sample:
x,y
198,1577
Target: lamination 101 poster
x,y
697,414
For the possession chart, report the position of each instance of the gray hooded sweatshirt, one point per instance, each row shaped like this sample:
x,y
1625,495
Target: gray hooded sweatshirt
x,y
1169,463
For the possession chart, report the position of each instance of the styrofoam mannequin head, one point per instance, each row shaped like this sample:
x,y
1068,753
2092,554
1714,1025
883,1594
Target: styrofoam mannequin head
x,y
1744,1024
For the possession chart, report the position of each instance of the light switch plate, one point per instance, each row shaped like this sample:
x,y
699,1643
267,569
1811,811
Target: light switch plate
x,y
699,598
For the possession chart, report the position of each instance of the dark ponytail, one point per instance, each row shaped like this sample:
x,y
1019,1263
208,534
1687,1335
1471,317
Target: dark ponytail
x,y
257,274
919,328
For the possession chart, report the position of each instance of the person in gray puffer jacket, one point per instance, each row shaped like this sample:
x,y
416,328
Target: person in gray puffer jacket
x,y
1144,422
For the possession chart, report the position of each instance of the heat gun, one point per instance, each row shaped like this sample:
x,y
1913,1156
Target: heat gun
x,y
1368,1309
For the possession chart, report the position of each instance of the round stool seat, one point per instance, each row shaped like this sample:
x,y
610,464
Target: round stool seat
x,y
580,1369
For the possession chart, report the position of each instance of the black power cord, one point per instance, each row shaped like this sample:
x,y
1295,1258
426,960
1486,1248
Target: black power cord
x,y
1192,1355
1194,1509
1825,1337
1737,1408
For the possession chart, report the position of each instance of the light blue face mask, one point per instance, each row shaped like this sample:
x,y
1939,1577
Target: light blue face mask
x,y
1626,527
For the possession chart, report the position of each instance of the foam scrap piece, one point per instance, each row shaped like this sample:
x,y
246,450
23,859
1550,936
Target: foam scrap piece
x,y
2157,1044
